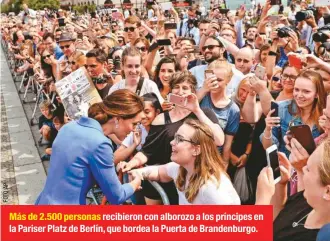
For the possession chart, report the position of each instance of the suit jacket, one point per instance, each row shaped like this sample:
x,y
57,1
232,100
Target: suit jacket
x,y
82,156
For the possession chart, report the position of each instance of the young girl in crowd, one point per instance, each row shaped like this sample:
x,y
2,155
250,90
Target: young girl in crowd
x,y
136,139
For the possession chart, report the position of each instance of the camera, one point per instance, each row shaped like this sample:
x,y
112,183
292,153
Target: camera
x,y
305,14
100,80
283,32
320,35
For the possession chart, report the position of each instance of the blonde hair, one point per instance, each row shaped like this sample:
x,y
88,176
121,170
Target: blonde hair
x,y
324,166
244,81
222,63
208,164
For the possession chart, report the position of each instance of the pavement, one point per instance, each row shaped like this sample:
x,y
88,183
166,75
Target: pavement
x,y
23,175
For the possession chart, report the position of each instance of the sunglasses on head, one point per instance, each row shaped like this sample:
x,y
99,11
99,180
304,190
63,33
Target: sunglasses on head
x,y
143,48
210,47
65,46
131,29
275,78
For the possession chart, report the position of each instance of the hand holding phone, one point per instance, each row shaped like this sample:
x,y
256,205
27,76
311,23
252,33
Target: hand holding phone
x,y
177,99
274,106
295,61
164,42
273,162
303,134
260,72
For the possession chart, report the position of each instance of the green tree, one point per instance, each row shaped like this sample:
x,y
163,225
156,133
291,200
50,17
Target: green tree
x,y
38,4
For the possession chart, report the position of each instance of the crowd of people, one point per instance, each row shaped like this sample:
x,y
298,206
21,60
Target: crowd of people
x,y
193,99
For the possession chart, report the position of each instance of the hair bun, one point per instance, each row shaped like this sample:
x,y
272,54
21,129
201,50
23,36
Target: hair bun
x,y
96,112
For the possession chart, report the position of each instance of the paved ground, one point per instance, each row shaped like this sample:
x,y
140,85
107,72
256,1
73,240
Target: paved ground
x,y
22,172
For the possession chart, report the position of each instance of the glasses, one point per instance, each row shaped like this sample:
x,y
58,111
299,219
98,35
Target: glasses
x,y
120,41
291,77
275,78
178,139
72,63
131,29
65,46
46,56
142,49
93,66
227,35
210,47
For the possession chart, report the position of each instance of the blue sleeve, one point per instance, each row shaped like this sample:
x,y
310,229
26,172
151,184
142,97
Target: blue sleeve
x,y
233,122
240,37
104,172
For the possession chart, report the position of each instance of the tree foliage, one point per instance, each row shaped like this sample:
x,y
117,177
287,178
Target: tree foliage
x,y
16,5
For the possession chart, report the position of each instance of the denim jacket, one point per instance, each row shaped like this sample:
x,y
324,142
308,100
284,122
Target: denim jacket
x,y
287,119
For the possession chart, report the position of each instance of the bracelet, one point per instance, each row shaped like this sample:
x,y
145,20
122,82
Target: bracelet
x,y
247,155
272,53
268,138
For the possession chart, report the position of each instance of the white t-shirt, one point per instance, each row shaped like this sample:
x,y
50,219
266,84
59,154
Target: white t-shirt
x,y
128,141
148,87
209,193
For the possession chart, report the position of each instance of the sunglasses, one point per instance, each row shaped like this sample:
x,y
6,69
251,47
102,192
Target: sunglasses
x,y
275,78
65,46
46,56
120,41
210,47
143,48
72,63
131,29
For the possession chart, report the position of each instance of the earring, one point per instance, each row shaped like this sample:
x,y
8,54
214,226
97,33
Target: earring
x,y
116,124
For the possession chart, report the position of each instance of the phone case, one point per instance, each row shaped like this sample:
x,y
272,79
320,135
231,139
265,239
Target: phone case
x,y
176,99
270,150
294,61
304,136
208,73
273,106
170,26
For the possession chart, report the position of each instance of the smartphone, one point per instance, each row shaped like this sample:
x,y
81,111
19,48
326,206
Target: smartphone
x,y
260,72
114,10
196,49
93,14
80,36
272,161
170,26
274,18
208,73
153,47
61,22
304,136
274,106
177,99
163,42
295,61
275,2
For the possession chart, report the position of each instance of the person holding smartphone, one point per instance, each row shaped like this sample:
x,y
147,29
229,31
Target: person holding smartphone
x,y
157,148
306,107
300,216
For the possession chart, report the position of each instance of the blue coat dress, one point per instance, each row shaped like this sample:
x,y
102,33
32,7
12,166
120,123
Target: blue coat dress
x,y
82,156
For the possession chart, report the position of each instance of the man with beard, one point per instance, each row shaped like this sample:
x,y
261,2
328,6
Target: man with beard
x,y
214,49
251,34
52,45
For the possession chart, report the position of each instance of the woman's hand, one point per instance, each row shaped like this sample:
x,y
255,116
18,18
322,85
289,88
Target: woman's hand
x,y
126,166
242,161
265,186
137,138
167,106
192,103
285,168
211,83
272,121
298,156
323,121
